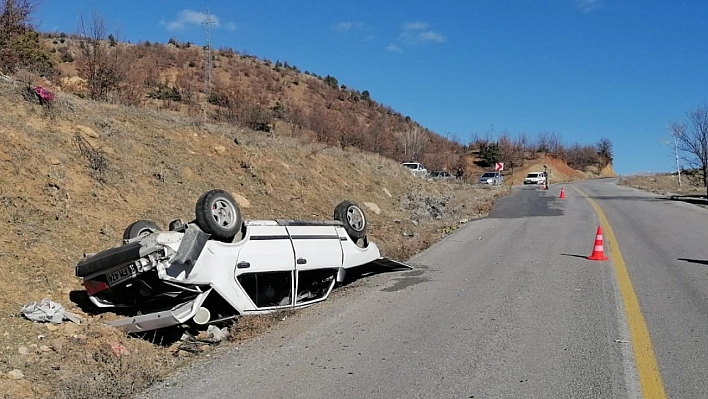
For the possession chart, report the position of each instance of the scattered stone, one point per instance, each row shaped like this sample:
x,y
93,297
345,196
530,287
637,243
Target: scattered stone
x,y
373,207
52,327
58,343
219,149
45,348
23,350
71,329
15,375
242,201
387,193
463,221
87,131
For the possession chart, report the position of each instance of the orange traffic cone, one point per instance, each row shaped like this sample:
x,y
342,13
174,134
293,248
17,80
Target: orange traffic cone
x,y
598,251
562,196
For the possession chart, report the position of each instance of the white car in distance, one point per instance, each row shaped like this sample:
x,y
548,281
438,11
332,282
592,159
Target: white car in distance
x,y
416,168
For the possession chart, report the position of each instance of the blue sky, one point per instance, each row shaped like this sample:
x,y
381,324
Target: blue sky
x,y
584,69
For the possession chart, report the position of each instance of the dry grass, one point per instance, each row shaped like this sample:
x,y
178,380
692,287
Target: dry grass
x,y
73,179
666,184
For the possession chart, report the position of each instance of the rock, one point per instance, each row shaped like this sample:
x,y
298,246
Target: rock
x,y
387,193
58,343
15,375
70,329
23,350
373,207
219,149
52,327
242,201
45,348
87,131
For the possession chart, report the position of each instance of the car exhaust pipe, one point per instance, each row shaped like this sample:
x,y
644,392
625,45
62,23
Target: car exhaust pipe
x,y
202,316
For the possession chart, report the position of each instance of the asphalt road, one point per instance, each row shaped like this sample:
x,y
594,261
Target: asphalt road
x,y
506,307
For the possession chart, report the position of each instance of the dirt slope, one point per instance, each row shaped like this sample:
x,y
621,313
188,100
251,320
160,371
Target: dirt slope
x,y
75,175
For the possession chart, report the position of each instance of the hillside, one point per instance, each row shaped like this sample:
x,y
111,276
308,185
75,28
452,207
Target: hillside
x,y
75,174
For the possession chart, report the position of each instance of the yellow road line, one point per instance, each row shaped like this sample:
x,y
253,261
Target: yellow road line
x,y
647,367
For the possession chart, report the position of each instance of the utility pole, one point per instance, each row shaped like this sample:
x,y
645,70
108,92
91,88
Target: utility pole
x,y
208,23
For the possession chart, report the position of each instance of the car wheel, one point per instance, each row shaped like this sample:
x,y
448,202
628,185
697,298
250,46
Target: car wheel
x,y
140,228
218,214
353,219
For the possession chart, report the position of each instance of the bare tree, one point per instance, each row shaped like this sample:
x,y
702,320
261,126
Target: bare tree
x,y
674,129
604,151
692,141
100,64
413,143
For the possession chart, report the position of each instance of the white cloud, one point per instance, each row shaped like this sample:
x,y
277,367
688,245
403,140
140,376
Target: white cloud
x,y
587,5
430,36
393,48
187,18
414,26
343,26
416,33
350,26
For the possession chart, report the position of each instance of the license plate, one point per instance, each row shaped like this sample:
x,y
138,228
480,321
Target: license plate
x,y
122,274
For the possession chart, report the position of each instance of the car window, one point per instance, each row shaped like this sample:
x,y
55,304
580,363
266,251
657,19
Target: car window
x,y
489,174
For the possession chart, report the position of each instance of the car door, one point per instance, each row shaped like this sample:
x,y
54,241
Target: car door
x,y
318,257
266,265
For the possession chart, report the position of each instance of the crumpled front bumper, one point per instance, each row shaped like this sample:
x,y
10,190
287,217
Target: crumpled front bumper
x,y
177,315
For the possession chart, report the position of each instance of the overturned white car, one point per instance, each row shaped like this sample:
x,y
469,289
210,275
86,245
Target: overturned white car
x,y
219,267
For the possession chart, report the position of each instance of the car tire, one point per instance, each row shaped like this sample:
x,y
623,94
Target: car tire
x,y
140,228
218,215
353,219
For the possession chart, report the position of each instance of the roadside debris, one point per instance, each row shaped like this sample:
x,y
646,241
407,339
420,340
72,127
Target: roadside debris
x,y
48,311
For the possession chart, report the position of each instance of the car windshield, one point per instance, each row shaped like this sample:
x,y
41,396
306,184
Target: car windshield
x,y
532,175
411,165
489,174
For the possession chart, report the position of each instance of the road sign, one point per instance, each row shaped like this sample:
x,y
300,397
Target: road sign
x,y
499,166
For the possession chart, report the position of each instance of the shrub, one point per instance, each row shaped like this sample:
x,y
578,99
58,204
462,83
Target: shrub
x,y
260,119
165,93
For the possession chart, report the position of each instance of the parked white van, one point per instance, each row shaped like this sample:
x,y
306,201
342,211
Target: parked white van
x,y
535,178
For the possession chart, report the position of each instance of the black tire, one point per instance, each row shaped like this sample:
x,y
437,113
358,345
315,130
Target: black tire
x,y
140,228
218,214
353,219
